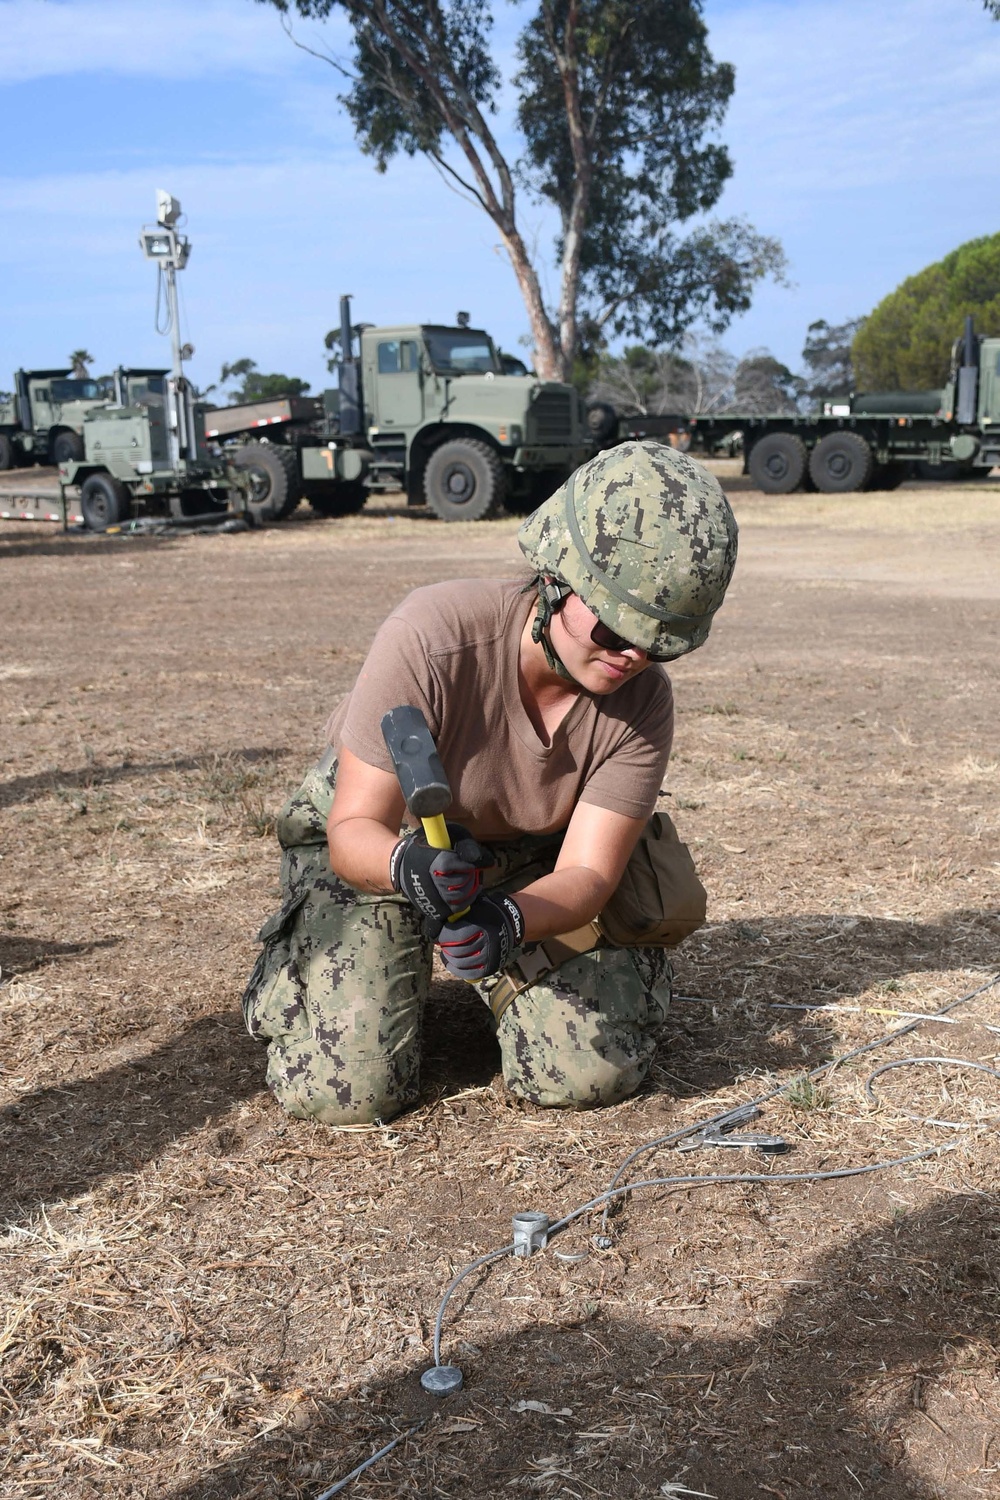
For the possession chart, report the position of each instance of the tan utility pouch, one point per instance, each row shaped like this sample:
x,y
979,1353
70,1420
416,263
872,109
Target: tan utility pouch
x,y
659,902
542,959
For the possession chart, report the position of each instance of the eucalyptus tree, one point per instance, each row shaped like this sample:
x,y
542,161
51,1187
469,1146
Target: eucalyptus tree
x,y
617,103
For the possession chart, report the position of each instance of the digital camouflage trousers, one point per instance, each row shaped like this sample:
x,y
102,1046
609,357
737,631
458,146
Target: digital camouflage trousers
x,y
339,989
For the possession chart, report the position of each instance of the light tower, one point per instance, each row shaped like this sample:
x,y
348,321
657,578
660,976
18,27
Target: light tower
x,y
170,249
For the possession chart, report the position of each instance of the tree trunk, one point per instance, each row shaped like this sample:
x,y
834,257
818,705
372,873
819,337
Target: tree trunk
x,y
548,356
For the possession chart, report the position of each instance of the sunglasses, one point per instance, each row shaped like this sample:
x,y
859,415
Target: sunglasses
x,y
609,640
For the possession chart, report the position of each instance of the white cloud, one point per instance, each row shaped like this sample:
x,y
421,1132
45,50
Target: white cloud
x,y
169,39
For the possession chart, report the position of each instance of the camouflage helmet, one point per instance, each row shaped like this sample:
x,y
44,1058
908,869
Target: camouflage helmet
x,y
645,537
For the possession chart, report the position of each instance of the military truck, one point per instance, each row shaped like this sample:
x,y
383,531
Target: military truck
x,y
875,440
150,454
421,407
43,422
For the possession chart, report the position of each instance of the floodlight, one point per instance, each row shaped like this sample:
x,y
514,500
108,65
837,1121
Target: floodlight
x,y
157,244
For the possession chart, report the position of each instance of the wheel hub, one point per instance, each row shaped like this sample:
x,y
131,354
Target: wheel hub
x,y
260,485
460,482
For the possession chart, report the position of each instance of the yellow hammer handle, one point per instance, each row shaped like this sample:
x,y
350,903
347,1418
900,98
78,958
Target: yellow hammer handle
x,y
436,830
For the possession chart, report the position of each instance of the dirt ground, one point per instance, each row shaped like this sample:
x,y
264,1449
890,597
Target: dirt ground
x,y
205,1299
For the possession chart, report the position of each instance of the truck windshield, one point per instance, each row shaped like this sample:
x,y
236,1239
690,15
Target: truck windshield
x,y
76,390
460,351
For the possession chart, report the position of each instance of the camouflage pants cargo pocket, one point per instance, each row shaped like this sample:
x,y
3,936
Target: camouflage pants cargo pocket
x,y
339,996
584,1034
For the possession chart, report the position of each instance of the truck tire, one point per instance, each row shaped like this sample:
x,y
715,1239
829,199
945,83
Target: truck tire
x,y
841,463
602,421
778,462
6,452
65,447
339,497
103,502
464,480
275,487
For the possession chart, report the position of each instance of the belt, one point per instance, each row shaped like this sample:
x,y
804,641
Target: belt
x,y
542,959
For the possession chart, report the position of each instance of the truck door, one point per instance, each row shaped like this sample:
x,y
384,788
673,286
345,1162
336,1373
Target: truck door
x,y
41,406
399,398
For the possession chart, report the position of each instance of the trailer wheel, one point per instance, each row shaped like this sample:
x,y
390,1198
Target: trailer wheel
x,y
778,463
275,487
66,446
6,452
464,480
103,502
840,463
338,497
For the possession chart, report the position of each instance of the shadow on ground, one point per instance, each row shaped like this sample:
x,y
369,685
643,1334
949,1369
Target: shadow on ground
x,y
20,954
63,1140
22,789
829,1397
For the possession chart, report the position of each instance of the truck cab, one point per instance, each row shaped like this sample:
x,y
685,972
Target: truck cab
x,y
445,423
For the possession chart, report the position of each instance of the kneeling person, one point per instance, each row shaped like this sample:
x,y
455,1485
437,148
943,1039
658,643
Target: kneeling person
x,y
553,719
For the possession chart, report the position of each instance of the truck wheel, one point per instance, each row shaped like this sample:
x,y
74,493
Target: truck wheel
x,y
275,487
66,446
840,463
6,452
602,421
103,502
339,497
778,463
464,480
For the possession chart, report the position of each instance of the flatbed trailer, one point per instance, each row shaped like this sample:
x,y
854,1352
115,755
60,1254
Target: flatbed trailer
x,y
874,441
40,505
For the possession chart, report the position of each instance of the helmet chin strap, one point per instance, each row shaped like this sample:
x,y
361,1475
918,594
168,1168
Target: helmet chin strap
x,y
551,593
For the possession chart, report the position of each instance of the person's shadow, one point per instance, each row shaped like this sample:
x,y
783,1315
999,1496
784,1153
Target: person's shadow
x,y
864,1381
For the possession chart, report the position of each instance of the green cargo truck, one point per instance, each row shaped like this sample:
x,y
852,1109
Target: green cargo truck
x,y
43,420
875,441
420,407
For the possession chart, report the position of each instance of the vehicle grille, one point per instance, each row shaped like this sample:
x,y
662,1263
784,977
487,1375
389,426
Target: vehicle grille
x,y
550,417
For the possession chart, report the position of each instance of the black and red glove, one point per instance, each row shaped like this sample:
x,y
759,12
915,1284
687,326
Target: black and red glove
x,y
439,882
484,940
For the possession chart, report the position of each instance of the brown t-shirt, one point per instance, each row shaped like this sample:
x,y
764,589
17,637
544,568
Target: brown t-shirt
x,y
452,651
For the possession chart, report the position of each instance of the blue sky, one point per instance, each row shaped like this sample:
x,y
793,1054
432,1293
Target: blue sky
x,y
863,136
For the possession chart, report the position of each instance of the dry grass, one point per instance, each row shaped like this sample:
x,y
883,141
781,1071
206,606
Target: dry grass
x,y
204,1299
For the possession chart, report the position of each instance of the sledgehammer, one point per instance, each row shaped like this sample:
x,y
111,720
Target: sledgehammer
x,y
418,766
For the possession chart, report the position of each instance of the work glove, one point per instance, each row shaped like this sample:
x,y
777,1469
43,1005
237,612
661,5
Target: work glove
x,y
484,940
438,882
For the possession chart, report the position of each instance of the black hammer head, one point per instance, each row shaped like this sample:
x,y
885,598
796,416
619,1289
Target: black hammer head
x,y
416,761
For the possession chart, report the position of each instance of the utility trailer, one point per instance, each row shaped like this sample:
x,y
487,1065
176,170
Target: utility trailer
x,y
875,441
